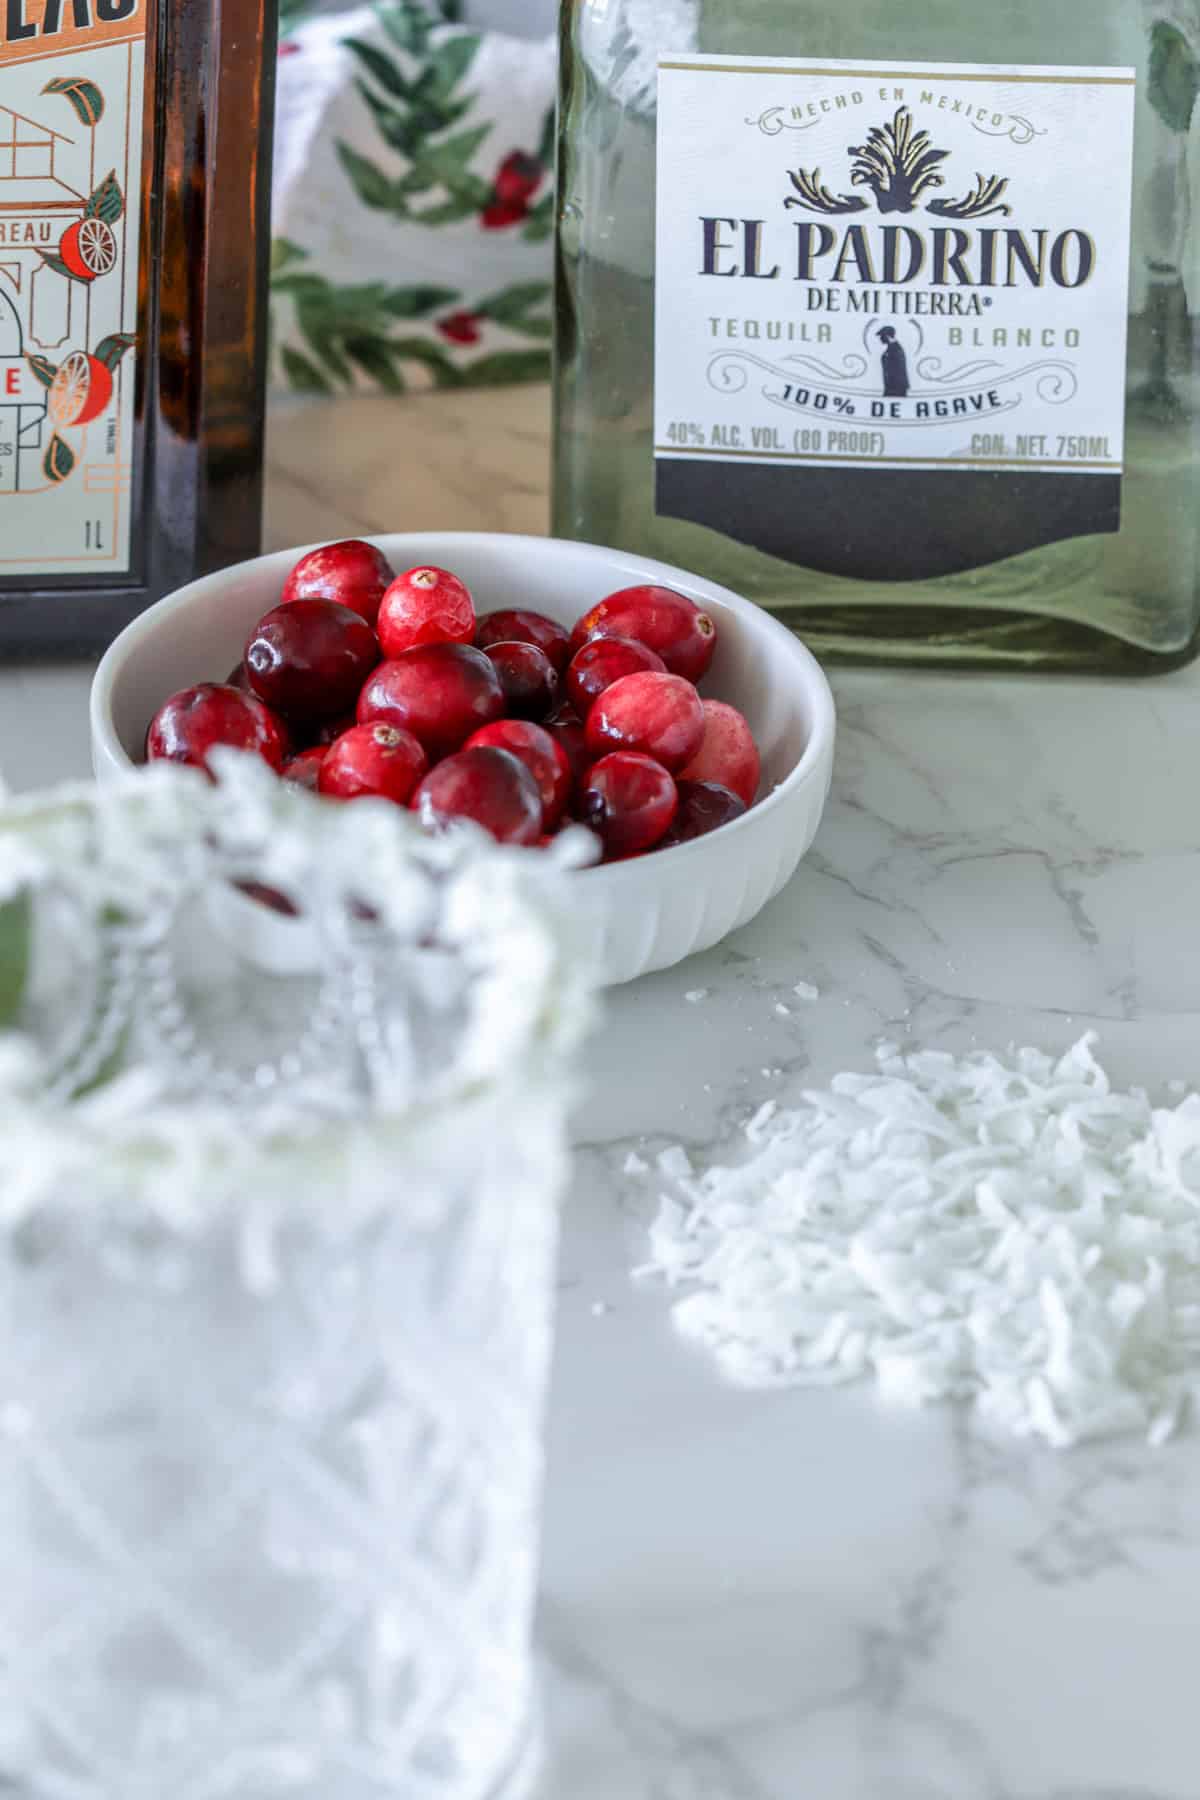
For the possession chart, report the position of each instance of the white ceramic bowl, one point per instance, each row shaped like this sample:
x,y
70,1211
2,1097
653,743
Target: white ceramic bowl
x,y
651,912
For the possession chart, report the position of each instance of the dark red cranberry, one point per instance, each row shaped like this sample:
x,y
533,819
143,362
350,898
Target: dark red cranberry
x,y
327,731
704,806
571,738
305,767
517,625
660,715
596,665
353,573
491,787
543,756
238,678
193,722
728,753
425,605
527,677
629,801
439,692
309,659
374,759
661,619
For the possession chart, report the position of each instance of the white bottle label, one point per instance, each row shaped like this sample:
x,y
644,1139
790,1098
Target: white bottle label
x,y
917,271
71,79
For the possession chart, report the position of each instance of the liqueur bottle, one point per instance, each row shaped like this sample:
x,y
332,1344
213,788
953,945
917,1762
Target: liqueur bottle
x,y
134,225
884,316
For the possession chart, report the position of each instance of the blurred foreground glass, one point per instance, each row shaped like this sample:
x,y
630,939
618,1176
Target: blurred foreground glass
x,y
276,1276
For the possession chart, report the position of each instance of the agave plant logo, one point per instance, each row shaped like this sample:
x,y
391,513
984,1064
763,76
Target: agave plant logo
x,y
900,165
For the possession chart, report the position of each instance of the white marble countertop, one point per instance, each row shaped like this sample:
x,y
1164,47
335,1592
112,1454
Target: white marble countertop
x,y
805,1596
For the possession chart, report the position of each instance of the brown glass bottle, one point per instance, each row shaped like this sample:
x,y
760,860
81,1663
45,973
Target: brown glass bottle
x,y
135,140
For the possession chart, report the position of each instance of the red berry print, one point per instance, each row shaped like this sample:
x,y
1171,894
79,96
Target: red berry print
x,y
377,760
461,327
659,715
353,573
439,692
500,214
518,178
489,786
198,719
425,606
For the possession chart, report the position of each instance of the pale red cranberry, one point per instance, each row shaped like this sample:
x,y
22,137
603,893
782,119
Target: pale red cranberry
x,y
309,659
543,756
629,801
596,665
704,806
305,767
659,715
517,625
667,622
728,753
528,677
489,786
381,760
439,692
198,719
353,573
425,605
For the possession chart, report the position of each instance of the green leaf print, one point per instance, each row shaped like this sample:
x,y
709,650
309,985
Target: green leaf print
x,y
417,302
1174,77
540,222
284,253
504,366
373,187
303,375
378,64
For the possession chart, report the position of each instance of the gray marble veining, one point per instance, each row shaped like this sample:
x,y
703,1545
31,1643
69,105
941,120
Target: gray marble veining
x,y
807,1596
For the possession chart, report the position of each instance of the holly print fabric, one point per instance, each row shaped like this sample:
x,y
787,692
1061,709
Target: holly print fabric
x,y
413,202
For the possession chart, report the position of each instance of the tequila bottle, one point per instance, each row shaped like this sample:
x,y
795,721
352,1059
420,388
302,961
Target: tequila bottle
x,y
885,317
135,142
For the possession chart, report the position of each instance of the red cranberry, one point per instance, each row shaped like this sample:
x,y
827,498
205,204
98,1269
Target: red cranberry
x,y
439,692
238,678
305,767
661,619
596,665
310,658
528,679
328,731
193,722
544,757
515,625
660,715
629,801
571,738
728,753
485,784
425,606
704,806
373,759
353,573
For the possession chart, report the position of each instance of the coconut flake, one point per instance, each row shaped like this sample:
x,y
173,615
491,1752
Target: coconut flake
x,y
1010,1230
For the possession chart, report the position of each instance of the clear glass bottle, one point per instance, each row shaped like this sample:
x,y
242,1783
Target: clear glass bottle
x,y
135,140
925,375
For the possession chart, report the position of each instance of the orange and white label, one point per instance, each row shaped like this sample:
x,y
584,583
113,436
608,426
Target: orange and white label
x,y
71,87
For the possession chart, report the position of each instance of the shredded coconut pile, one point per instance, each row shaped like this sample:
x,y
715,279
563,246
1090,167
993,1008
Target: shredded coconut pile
x,y
1010,1231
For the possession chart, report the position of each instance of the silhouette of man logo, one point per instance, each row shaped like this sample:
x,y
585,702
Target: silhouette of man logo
x,y
895,365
